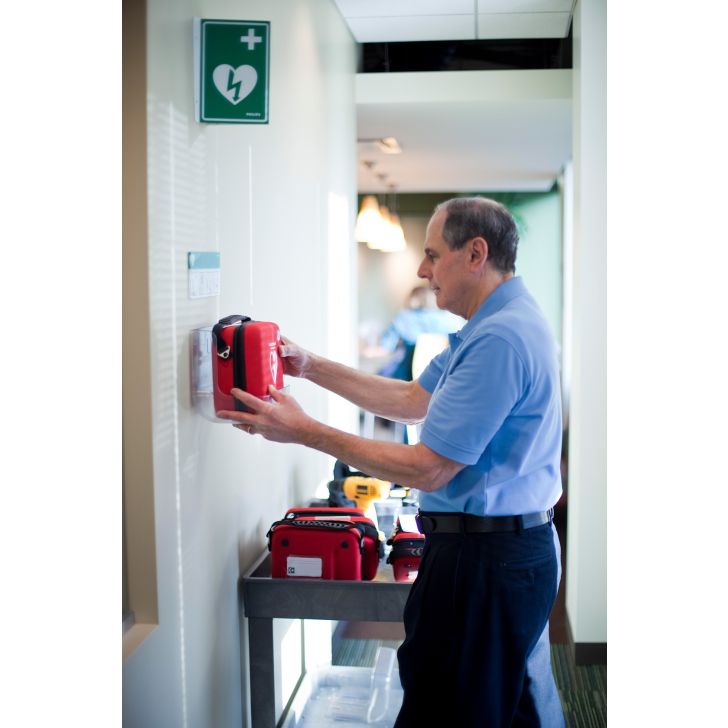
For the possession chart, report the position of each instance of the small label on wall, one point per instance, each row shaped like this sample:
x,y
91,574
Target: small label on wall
x,y
203,274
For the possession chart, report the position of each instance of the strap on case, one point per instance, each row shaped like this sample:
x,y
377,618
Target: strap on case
x,y
322,525
223,350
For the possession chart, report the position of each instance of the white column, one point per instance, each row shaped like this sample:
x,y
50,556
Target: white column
x,y
586,566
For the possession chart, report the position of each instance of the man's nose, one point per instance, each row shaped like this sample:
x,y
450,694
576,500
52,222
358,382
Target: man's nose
x,y
421,271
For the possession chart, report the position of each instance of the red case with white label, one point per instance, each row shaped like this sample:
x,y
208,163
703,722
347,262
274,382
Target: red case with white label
x,y
406,553
246,356
324,543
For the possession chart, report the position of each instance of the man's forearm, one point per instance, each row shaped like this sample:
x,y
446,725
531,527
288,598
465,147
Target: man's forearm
x,y
283,420
392,399
412,466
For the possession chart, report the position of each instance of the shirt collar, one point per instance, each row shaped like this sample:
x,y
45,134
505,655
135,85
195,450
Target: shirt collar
x,y
502,295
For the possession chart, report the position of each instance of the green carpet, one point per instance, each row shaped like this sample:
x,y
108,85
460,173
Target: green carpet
x,y
583,689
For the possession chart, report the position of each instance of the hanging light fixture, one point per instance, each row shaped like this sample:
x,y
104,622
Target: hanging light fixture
x,y
392,237
393,240
369,221
376,226
384,242
397,240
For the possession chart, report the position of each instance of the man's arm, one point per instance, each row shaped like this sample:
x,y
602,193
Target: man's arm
x,y
415,466
392,399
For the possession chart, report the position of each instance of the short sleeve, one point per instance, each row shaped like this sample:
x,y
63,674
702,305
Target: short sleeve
x,y
433,371
485,381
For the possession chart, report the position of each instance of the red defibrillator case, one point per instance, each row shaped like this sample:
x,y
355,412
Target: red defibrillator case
x,y
246,356
325,543
406,553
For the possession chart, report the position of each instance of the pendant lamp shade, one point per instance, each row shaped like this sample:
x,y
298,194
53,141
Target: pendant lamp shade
x,y
368,222
395,238
391,238
381,240
378,228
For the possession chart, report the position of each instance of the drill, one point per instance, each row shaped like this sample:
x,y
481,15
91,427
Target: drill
x,y
357,491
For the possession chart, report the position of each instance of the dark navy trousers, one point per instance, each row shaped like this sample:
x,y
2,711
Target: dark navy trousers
x,y
476,650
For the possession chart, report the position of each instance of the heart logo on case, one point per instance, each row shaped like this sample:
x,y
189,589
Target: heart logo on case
x,y
234,83
274,365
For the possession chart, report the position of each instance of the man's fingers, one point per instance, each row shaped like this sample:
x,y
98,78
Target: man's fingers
x,y
277,395
287,347
243,417
253,402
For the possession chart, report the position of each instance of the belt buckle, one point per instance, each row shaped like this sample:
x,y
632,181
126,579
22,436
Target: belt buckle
x,y
418,521
425,523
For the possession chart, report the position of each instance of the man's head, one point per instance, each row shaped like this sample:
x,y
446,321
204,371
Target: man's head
x,y
472,217
470,249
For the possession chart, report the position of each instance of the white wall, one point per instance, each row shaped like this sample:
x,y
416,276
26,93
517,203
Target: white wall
x,y
278,202
586,572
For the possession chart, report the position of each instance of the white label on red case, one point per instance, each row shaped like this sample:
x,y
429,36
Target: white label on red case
x,y
411,575
304,566
408,523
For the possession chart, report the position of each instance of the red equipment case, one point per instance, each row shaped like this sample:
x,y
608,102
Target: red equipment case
x,y
324,543
406,553
247,358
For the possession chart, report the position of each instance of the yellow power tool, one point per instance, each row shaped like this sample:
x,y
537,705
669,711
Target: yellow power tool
x,y
357,491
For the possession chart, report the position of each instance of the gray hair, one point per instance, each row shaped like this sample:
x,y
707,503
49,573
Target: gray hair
x,y
472,217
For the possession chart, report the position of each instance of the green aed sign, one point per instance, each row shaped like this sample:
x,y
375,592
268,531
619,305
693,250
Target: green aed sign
x,y
232,59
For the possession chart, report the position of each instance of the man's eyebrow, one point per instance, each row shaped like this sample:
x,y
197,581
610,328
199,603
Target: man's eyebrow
x,y
428,250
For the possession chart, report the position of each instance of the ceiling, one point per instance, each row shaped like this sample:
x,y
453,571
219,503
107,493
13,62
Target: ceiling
x,y
461,131
380,21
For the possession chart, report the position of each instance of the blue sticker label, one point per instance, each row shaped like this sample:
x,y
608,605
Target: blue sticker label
x,y
203,261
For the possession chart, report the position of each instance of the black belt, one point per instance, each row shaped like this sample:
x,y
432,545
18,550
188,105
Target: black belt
x,y
465,523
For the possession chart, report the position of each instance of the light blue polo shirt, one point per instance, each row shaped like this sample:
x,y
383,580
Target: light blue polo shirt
x,y
496,407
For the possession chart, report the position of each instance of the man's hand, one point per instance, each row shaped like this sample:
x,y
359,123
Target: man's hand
x,y
296,361
282,420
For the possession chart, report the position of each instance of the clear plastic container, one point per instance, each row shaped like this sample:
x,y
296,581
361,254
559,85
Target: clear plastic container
x,y
202,348
387,511
355,697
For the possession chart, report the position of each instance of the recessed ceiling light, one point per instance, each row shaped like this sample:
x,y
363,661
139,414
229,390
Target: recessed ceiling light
x,y
388,145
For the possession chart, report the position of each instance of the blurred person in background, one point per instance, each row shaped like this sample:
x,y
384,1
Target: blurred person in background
x,y
420,316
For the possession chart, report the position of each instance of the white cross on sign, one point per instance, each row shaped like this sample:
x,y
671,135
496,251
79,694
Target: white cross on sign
x,y
251,39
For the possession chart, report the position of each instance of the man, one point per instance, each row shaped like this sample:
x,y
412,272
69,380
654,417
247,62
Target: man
x,y
476,651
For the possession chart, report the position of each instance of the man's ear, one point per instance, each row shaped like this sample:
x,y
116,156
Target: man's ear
x,y
478,252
